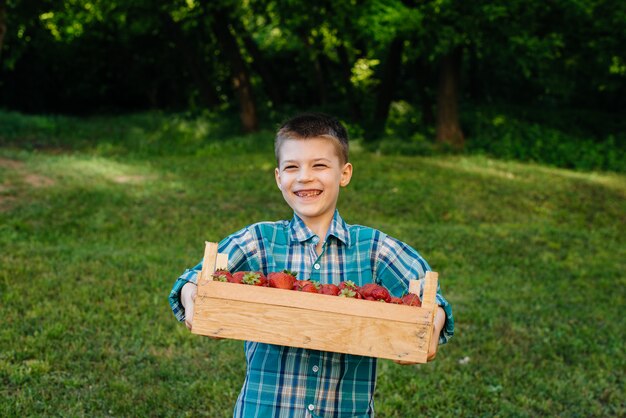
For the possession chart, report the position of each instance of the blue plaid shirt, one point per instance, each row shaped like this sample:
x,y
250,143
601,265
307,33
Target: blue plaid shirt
x,y
295,382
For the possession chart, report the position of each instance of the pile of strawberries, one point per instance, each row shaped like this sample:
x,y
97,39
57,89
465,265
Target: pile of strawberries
x,y
287,280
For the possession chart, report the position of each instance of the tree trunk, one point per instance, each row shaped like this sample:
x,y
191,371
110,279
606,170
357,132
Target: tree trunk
x,y
387,86
239,71
448,126
261,66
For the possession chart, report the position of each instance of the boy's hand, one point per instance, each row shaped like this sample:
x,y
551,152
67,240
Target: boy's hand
x,y
187,298
440,320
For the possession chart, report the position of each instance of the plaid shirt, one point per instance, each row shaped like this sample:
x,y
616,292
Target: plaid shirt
x,y
295,382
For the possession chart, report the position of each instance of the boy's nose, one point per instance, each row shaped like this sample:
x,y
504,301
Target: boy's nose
x,y
304,175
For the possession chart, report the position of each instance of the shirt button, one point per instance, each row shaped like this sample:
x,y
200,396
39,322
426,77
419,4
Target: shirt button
x,y
316,266
315,369
311,407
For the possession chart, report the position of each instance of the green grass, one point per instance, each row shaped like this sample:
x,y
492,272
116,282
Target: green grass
x,y
99,216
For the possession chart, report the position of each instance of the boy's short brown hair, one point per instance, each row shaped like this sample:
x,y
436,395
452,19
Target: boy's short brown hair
x,y
314,125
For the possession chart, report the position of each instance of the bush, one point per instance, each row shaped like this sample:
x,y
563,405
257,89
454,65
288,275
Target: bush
x,y
504,135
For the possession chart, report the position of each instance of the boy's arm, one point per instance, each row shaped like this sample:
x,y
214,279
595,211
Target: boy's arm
x,y
184,291
175,297
396,262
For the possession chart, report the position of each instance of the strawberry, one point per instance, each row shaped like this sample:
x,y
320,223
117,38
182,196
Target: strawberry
x,y
349,293
372,291
299,284
282,280
395,300
348,284
222,275
382,294
329,289
411,299
311,287
237,277
254,278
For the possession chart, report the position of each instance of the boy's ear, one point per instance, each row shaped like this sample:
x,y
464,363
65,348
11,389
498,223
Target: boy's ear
x,y
346,174
277,176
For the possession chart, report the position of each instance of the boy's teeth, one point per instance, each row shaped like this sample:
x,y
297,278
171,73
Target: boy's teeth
x,y
307,194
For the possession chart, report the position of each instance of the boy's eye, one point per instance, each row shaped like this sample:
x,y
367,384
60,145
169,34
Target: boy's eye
x,y
289,167
320,165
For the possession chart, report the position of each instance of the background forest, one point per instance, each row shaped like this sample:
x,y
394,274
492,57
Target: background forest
x,y
529,80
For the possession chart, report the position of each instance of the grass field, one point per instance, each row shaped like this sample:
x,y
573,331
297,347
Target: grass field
x,y
99,216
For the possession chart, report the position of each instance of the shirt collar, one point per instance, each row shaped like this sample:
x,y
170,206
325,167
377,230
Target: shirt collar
x,y
338,228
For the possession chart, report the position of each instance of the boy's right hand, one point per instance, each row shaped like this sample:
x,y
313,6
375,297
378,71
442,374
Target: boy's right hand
x,y
187,298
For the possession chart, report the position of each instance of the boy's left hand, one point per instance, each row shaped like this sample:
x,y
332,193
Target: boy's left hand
x,y
440,320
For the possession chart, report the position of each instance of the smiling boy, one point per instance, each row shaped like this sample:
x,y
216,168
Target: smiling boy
x,y
312,158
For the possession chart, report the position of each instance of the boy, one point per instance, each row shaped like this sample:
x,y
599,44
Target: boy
x,y
312,158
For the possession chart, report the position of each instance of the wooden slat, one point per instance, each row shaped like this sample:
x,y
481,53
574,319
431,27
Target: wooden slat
x,y
429,298
208,263
221,262
414,287
430,302
314,302
326,331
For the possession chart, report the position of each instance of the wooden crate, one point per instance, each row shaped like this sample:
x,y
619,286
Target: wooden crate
x,y
310,320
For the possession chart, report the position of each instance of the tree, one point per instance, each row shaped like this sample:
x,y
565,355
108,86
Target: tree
x,y
221,16
448,125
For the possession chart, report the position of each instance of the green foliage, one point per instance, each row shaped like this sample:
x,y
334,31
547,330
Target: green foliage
x,y
532,259
517,136
164,55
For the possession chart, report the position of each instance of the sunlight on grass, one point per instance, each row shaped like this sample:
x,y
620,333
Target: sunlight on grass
x,y
525,172
98,171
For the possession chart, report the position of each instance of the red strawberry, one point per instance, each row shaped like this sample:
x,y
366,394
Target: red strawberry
x,y
312,287
329,289
382,294
348,284
372,291
411,299
299,284
366,290
222,275
237,277
395,300
254,278
282,280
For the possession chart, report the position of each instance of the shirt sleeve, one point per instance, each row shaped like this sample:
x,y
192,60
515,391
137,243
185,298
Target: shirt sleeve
x,y
237,246
189,276
396,264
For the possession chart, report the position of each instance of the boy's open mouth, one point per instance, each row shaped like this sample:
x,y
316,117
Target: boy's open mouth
x,y
307,193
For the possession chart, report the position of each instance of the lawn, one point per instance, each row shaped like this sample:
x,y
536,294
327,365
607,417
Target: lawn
x,y
99,216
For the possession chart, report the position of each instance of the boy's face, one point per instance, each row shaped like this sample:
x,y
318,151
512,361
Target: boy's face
x,y
309,175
